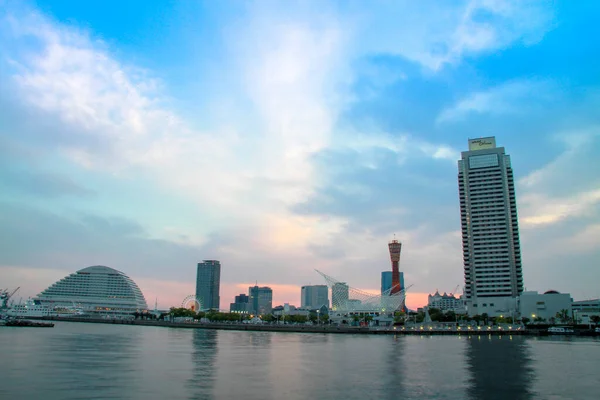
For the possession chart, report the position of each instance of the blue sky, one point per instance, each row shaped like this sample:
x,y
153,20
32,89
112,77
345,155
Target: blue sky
x,y
280,137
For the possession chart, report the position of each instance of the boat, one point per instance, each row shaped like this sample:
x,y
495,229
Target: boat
x,y
34,309
559,330
27,323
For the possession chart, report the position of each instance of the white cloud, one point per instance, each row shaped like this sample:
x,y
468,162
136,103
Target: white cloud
x,y
509,98
405,145
290,67
74,77
541,209
293,71
543,202
436,34
588,239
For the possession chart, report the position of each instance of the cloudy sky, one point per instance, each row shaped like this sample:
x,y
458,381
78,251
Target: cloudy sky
x,y
280,137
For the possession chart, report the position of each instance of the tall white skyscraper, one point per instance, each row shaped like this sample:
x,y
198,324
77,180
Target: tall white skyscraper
x,y
490,229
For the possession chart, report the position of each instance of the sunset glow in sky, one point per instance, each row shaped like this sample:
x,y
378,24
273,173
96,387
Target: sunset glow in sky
x,y
283,137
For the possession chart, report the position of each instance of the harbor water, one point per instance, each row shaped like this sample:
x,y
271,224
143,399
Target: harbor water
x,y
96,361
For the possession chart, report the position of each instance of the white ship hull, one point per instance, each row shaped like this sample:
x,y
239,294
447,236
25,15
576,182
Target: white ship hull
x,y
30,309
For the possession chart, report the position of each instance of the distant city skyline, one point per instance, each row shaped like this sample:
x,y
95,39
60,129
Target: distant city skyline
x,y
284,137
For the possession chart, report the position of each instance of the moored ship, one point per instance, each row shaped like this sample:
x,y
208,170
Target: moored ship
x,y
34,309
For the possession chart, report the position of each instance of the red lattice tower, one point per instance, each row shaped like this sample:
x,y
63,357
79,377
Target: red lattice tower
x,y
395,248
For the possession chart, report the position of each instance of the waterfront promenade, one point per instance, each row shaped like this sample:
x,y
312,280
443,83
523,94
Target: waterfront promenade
x,y
416,330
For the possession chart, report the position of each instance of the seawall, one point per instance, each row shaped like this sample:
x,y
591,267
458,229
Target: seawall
x,y
292,328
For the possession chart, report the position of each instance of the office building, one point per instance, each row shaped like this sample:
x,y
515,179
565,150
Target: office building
x,y
386,281
339,296
241,304
490,229
401,280
261,299
314,296
208,282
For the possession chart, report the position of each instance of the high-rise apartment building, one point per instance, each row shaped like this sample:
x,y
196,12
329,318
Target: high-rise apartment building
x,y
261,299
208,282
314,296
490,229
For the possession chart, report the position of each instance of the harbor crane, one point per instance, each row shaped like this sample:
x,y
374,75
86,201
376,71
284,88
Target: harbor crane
x,y
454,291
5,296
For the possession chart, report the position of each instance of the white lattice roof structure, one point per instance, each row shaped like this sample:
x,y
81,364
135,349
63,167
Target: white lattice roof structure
x,y
348,299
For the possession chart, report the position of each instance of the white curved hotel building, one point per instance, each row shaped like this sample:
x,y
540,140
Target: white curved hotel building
x,y
98,291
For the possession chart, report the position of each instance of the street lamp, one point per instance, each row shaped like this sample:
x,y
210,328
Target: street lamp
x,y
318,317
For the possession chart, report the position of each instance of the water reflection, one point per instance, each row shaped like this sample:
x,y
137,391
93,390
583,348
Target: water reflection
x,y
499,368
84,360
201,378
392,386
257,339
243,364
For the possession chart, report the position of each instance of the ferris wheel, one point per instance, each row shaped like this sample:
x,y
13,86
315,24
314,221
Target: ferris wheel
x,y
192,302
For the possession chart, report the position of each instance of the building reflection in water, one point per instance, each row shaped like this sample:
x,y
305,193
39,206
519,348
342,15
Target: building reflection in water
x,y
201,380
500,368
98,364
393,382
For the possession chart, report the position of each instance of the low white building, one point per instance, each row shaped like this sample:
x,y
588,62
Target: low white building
x,y
584,310
288,309
534,305
446,302
358,317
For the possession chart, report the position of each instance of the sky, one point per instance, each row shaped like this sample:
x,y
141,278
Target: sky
x,y
280,137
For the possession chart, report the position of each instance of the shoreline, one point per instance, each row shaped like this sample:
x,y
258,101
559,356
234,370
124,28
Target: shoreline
x,y
294,328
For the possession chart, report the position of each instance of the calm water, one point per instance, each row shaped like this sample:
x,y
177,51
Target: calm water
x,y
92,361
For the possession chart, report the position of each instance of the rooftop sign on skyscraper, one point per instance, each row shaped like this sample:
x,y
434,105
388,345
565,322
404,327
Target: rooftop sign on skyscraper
x,y
482,143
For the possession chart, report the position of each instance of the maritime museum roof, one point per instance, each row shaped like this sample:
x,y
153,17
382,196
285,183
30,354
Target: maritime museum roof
x,y
97,288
